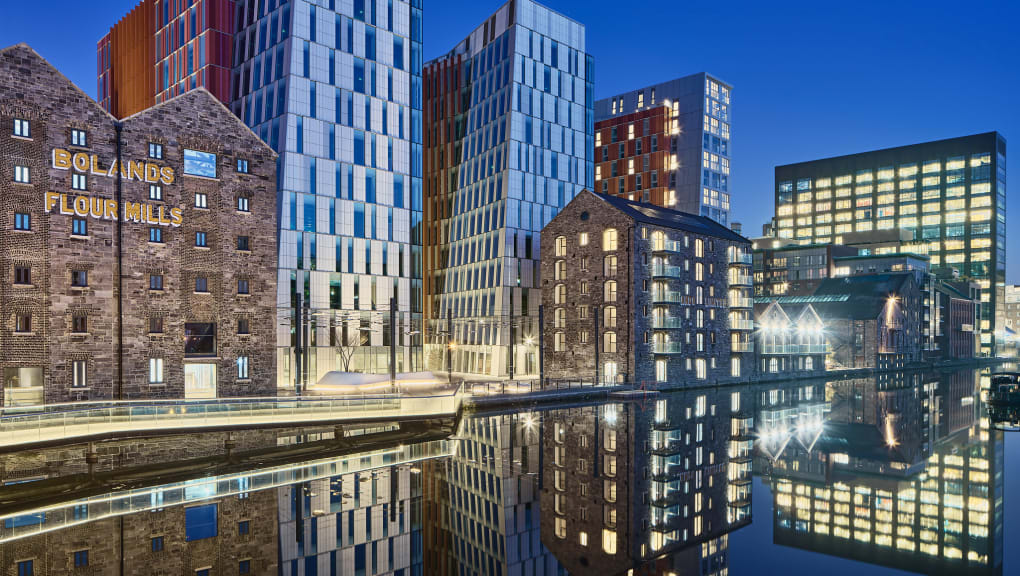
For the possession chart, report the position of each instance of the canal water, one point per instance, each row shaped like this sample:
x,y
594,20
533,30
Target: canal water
x,y
895,474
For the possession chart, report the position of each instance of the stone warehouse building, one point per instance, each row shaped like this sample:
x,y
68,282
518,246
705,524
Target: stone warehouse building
x,y
137,257
634,292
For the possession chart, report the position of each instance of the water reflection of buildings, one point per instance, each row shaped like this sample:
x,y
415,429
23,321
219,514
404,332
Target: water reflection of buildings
x,y
481,509
649,486
900,471
355,511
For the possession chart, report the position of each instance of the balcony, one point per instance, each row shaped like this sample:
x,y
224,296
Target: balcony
x,y
742,347
743,325
671,297
738,279
784,349
738,302
667,246
666,348
666,323
741,259
665,270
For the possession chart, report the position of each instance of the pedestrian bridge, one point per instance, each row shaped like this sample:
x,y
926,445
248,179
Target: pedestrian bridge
x,y
23,427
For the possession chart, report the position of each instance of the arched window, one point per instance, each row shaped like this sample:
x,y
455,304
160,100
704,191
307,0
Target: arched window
x,y
560,270
559,342
609,238
609,291
561,246
560,318
658,240
609,342
609,317
809,363
560,294
609,266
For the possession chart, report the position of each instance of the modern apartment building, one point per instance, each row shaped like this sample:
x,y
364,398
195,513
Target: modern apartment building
x,y
162,49
136,256
638,293
335,89
508,134
669,144
950,195
784,268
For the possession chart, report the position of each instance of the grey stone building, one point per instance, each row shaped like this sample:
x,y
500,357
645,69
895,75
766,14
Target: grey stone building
x,y
634,292
137,257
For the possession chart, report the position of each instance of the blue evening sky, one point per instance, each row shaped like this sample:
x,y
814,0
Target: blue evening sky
x,y
811,79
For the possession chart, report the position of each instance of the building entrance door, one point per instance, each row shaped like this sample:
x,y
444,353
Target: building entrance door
x,y
199,381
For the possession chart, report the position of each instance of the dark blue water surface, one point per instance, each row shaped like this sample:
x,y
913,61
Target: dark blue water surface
x,y
901,473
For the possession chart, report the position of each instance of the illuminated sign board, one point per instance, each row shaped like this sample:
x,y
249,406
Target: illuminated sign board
x,y
106,209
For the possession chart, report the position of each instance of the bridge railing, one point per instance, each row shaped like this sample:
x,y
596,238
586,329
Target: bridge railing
x,y
29,425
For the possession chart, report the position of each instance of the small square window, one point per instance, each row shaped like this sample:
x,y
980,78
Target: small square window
x,y
243,527
155,192
201,200
155,150
23,323
22,128
79,278
22,221
155,281
242,166
242,287
22,275
79,182
243,243
79,324
79,227
156,325
243,326
242,204
79,138
157,541
201,240
81,558
244,567
156,235
26,568
22,175
201,284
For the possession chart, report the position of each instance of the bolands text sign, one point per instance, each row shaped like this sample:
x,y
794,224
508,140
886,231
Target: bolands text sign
x,y
86,163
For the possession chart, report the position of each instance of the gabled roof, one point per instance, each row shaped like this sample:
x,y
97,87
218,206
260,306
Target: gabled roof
x,y
658,216
865,296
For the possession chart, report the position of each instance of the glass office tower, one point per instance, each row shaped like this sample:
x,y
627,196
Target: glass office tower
x,y
689,120
509,123
950,195
335,88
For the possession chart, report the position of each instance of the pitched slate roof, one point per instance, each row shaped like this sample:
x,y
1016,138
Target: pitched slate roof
x,y
658,216
866,295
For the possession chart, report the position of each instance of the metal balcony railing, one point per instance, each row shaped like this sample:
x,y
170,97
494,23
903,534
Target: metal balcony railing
x,y
666,323
737,279
741,347
781,349
744,325
742,258
666,270
666,348
738,302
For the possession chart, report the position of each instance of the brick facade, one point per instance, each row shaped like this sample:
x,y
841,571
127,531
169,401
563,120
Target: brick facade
x,y
679,308
105,323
